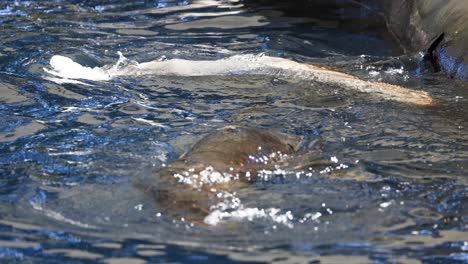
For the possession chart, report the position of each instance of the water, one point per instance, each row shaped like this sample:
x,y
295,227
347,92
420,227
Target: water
x,y
71,152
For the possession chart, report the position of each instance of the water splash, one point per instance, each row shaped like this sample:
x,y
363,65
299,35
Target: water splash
x,y
69,71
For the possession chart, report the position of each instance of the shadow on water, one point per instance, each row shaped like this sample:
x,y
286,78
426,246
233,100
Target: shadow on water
x,y
71,154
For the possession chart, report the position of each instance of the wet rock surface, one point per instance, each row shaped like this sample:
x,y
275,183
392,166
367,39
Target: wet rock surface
x,y
437,27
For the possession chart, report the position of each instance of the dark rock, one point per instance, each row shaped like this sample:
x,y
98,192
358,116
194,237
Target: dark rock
x,y
437,27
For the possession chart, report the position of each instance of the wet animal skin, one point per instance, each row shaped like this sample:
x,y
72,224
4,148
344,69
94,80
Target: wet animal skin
x,y
225,161
239,64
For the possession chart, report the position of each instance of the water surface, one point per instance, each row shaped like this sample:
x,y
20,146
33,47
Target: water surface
x,y
70,152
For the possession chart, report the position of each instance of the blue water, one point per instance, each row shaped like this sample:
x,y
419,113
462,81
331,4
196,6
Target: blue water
x,y
71,153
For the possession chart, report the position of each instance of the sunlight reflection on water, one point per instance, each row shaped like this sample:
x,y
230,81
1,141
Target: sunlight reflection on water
x,y
71,153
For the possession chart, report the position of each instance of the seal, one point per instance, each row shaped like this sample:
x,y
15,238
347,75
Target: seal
x,y
223,162
261,64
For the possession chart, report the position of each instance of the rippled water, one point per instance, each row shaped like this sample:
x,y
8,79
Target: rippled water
x,y
70,153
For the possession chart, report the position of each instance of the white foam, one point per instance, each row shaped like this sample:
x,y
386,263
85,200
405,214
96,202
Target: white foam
x,y
310,217
395,71
65,67
386,204
250,213
69,70
207,177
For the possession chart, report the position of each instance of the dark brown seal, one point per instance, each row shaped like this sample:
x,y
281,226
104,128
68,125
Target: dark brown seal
x,y
222,162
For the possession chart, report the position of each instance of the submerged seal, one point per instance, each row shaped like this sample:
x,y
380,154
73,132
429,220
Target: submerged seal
x,y
223,162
